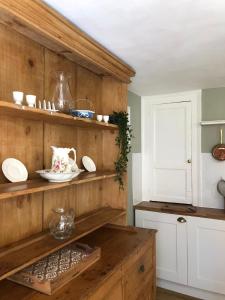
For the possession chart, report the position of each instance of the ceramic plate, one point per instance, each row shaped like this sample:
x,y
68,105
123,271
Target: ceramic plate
x,y
88,164
14,170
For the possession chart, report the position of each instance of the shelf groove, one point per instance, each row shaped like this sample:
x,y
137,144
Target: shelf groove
x,y
9,190
11,109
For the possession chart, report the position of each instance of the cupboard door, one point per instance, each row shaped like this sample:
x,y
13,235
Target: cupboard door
x,y
171,244
139,275
116,292
170,138
206,254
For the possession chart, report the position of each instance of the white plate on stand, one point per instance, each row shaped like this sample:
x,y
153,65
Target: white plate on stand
x,y
88,164
14,170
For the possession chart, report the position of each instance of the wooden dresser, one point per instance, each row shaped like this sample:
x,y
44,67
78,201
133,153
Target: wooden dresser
x,y
35,43
125,271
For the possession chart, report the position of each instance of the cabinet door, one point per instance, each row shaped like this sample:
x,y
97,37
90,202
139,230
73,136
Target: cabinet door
x,y
139,275
109,291
206,254
171,244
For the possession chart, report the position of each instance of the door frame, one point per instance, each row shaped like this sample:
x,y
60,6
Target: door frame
x,y
147,102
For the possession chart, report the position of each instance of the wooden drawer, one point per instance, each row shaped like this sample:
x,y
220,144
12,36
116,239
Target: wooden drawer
x,y
111,290
139,275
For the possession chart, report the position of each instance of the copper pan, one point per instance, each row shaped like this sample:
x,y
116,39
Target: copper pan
x,y
218,151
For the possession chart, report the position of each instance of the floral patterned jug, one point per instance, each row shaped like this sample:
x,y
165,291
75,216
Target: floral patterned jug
x,y
61,162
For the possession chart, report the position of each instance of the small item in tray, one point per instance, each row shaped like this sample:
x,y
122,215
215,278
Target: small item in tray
x,y
52,272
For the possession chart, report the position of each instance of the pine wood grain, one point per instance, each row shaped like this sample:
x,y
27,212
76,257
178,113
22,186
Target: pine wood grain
x,y
116,94
22,68
41,23
8,190
29,251
19,218
10,109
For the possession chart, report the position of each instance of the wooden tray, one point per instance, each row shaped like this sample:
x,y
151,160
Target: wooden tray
x,y
57,269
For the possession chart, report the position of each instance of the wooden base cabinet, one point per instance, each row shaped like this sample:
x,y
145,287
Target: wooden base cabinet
x,y
190,250
125,271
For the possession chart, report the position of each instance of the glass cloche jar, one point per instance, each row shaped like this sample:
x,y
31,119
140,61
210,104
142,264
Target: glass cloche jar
x,y
62,96
61,224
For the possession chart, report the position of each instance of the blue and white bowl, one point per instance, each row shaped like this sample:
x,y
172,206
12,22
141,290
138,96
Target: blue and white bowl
x,y
82,113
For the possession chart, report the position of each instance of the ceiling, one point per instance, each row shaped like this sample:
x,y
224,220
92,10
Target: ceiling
x,y
174,45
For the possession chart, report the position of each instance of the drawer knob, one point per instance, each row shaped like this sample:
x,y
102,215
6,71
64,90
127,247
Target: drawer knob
x,y
181,220
141,268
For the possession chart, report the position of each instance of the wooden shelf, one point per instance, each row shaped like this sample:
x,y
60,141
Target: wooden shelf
x,y
8,190
182,209
11,109
22,254
214,122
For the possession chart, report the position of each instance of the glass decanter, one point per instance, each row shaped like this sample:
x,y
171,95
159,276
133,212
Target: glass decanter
x,y
62,224
62,96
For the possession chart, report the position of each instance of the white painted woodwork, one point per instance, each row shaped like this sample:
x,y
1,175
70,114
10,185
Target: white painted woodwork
x,y
215,122
171,244
206,254
171,151
191,253
194,181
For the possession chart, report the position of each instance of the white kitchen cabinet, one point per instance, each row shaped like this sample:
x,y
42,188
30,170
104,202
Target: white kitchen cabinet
x,y
206,254
171,244
190,253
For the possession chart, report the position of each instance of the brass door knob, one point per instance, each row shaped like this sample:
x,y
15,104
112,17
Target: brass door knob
x,y
181,220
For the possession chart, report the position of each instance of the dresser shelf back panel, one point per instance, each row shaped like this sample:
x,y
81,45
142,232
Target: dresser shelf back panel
x,y
29,67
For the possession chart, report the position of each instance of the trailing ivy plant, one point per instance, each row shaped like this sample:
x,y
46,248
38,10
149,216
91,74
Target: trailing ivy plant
x,y
123,142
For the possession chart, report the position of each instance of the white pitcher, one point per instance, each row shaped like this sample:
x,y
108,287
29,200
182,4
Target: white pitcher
x,y
61,162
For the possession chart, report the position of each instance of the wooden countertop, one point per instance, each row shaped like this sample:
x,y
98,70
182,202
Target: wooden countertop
x,y
117,244
182,209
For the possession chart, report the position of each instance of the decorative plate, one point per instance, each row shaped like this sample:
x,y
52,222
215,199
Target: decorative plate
x,y
88,164
14,170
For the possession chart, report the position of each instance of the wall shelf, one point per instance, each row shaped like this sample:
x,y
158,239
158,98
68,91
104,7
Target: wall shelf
x,y
24,253
214,122
11,109
8,190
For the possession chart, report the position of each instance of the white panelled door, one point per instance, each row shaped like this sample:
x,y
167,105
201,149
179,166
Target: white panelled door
x,y
171,152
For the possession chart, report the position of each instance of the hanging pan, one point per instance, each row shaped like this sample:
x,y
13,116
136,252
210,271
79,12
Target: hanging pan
x,y
218,151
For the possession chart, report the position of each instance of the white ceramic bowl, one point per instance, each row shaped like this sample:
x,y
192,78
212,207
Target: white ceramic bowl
x,y
57,177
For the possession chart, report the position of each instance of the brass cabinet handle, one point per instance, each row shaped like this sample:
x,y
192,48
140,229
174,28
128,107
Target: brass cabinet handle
x,y
181,220
141,268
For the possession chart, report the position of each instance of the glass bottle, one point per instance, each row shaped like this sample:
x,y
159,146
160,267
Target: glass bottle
x,y
61,224
62,96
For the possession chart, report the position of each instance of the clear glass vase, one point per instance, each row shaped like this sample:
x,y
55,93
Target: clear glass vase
x,y
62,96
61,224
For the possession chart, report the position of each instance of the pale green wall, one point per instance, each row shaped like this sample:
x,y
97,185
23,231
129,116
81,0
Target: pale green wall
x,y
213,108
134,101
